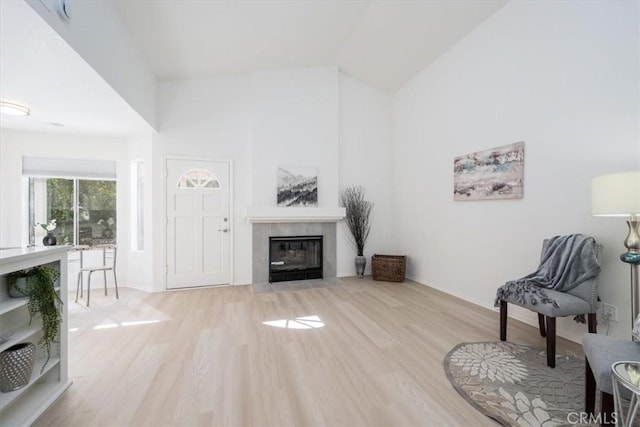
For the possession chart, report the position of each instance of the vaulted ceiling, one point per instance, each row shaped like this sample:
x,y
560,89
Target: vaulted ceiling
x,y
381,42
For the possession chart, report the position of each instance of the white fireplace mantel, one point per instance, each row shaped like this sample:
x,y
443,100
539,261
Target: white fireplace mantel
x,y
294,214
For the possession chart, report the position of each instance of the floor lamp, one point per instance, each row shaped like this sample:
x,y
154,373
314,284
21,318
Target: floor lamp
x,y
619,195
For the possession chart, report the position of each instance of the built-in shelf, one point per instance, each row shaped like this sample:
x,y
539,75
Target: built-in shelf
x,y
41,395
25,405
7,398
11,304
294,214
20,335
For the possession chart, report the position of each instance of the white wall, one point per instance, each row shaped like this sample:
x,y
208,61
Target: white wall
x,y
365,160
13,212
295,123
561,76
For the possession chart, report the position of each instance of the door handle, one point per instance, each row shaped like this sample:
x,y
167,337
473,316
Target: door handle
x,y
224,230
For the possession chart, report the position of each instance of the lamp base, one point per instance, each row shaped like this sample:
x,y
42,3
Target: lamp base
x,y
633,259
630,257
632,242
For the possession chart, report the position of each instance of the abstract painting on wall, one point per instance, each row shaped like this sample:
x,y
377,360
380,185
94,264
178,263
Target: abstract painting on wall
x,y
497,173
297,186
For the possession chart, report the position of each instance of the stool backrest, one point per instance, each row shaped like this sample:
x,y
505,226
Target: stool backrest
x,y
108,251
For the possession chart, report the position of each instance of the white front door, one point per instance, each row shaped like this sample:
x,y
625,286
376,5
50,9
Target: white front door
x,y
198,223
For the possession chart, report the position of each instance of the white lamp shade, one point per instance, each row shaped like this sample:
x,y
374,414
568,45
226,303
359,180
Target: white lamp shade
x,y
617,194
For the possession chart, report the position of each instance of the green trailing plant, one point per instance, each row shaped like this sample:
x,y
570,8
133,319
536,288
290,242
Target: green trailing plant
x,y
43,300
358,215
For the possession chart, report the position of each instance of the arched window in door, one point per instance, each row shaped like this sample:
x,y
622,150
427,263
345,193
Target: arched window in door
x,y
198,178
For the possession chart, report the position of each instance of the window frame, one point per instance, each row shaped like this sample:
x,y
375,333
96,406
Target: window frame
x,y
137,175
76,195
201,180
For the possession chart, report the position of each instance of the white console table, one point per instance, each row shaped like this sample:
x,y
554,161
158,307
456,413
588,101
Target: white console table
x,y
23,406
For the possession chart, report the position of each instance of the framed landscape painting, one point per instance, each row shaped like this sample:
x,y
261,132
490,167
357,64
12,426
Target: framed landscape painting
x,y
297,186
497,173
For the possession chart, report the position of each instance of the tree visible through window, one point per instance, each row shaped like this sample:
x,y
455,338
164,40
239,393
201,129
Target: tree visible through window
x,y
85,210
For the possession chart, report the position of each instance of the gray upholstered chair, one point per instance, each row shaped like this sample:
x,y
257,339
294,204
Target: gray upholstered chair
x,y
600,353
579,301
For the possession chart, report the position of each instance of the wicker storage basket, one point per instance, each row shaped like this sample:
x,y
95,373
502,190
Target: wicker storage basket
x,y
389,268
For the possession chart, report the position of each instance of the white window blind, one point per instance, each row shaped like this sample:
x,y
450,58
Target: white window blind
x,y
68,168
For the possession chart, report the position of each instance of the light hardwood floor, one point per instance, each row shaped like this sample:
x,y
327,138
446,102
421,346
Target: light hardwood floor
x,y
204,357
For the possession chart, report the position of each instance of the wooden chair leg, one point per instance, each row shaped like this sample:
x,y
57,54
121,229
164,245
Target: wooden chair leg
x,y
606,409
551,341
503,320
593,323
589,389
543,331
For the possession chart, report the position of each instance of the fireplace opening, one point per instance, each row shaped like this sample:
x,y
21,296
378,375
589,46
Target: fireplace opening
x,y
295,258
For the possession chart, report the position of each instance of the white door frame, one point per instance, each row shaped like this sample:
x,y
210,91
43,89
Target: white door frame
x,y
165,219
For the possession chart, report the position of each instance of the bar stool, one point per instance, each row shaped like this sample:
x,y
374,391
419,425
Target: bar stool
x,y
600,353
104,268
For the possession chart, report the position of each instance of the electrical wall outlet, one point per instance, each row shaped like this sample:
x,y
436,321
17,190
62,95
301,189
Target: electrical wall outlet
x,y
610,312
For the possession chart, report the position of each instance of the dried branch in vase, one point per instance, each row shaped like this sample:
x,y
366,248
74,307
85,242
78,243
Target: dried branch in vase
x,y
358,215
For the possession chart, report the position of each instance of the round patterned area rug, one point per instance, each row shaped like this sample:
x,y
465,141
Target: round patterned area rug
x,y
512,383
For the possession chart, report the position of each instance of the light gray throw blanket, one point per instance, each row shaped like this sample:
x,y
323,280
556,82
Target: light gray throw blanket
x,y
566,262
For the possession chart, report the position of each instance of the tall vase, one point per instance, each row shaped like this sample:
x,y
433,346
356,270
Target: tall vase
x,y
16,364
49,239
361,262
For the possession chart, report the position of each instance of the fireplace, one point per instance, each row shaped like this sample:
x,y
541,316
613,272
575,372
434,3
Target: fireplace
x,y
295,258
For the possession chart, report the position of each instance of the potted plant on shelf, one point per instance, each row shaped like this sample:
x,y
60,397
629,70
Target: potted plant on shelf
x,y
39,286
358,221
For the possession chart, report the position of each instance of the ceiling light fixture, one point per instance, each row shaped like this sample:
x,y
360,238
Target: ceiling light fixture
x,y
14,109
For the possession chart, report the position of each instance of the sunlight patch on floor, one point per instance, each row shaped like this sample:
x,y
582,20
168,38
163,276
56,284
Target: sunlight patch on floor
x,y
124,324
306,322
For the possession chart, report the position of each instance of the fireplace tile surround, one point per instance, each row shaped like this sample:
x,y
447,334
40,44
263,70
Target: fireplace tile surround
x,y
260,244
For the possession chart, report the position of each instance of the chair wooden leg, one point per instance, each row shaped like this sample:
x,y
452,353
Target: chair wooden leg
x,y
589,388
593,323
606,409
503,320
543,331
551,341
104,274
